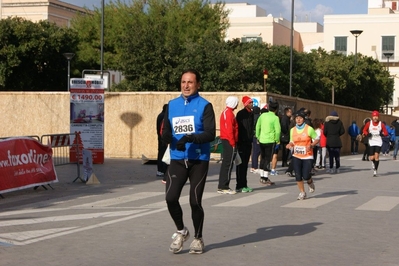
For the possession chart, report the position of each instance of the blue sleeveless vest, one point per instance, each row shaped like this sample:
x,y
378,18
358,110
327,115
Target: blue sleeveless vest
x,y
192,106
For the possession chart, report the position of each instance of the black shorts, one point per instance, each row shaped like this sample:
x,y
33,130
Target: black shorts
x,y
275,151
374,149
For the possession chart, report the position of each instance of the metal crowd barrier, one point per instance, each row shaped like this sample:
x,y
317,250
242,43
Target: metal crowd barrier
x,y
62,147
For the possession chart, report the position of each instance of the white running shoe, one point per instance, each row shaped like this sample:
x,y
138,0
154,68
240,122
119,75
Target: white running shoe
x,y
311,187
227,191
254,171
160,173
178,239
302,196
375,173
197,246
273,172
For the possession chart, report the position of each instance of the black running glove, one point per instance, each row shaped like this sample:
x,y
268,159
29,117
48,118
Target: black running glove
x,y
181,143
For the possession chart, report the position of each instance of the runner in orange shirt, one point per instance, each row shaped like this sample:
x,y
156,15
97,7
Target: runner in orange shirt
x,y
302,146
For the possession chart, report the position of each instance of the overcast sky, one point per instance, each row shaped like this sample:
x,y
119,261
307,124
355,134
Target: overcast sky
x,y
305,10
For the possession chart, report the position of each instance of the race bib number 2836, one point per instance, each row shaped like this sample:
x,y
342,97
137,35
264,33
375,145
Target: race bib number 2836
x,y
183,124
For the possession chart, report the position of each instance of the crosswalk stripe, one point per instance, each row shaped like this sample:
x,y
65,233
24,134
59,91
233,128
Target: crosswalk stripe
x,y
311,203
79,229
9,213
22,236
68,217
120,200
249,200
183,200
380,203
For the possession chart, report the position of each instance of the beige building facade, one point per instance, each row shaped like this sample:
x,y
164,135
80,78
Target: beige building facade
x,y
55,11
378,38
250,23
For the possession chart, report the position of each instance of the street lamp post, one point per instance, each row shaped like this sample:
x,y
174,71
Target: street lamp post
x,y
265,76
69,56
102,39
388,55
291,45
356,33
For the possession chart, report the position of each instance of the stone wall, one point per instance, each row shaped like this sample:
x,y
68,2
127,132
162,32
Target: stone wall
x,y
130,117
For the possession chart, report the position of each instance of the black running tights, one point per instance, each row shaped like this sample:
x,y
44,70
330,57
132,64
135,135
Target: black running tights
x,y
178,173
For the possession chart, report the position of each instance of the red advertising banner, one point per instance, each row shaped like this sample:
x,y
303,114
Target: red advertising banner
x,y
24,163
87,118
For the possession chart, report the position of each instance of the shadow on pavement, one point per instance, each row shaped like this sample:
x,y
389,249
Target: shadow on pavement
x,y
267,233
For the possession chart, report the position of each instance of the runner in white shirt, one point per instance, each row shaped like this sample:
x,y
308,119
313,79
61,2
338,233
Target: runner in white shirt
x,y
374,130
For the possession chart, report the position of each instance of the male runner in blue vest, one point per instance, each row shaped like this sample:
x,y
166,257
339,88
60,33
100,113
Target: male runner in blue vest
x,y
189,127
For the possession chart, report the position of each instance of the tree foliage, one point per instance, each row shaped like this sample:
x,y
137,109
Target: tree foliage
x,y
152,41
365,84
31,55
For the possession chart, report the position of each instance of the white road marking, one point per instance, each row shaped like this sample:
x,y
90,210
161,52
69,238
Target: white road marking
x,y
67,217
22,236
250,200
120,200
20,243
311,203
24,211
33,236
380,203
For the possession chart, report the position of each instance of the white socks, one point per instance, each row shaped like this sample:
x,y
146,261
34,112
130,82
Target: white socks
x,y
263,173
183,232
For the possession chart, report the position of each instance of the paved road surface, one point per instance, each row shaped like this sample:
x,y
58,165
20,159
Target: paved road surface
x,y
351,219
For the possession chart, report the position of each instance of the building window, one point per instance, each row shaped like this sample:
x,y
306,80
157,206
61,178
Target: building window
x,y
251,39
388,46
341,45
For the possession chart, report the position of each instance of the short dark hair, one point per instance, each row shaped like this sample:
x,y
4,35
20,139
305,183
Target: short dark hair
x,y
273,106
193,71
164,107
286,109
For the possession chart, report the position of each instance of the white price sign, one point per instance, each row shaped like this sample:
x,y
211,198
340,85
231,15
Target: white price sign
x,y
87,97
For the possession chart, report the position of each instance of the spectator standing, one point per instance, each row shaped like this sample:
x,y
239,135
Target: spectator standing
x,y
193,129
375,130
229,138
161,166
245,121
285,135
275,152
354,131
392,137
333,130
255,144
395,124
268,132
317,152
323,145
308,120
385,140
